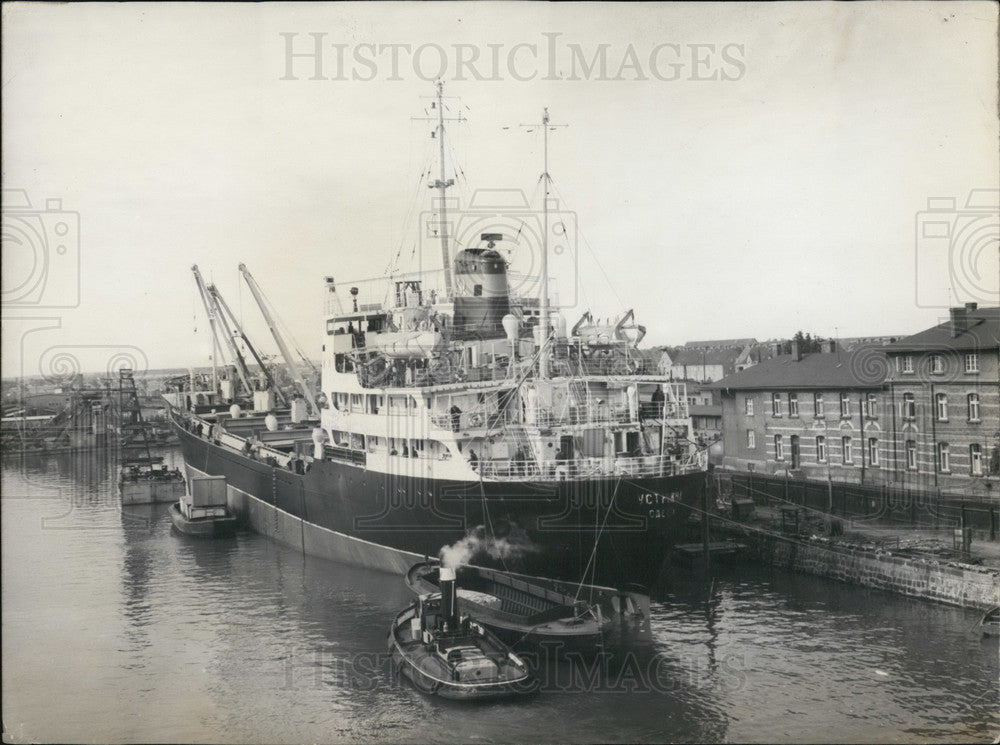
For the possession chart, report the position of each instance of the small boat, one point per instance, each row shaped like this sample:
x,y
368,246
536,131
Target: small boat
x,y
202,522
990,622
531,611
149,483
203,512
444,654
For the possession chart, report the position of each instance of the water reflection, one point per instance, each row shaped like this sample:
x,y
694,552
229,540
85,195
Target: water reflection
x,y
263,644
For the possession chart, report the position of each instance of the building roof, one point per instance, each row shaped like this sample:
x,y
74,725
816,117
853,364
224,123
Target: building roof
x,y
982,332
865,367
719,343
723,357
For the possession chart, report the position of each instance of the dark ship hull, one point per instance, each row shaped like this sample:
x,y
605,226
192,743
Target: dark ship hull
x,y
344,512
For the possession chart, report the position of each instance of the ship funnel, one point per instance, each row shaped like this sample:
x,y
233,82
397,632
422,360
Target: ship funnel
x,y
449,598
482,292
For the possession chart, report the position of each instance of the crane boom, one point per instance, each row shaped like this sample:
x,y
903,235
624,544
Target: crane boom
x,y
227,311
293,368
241,365
211,322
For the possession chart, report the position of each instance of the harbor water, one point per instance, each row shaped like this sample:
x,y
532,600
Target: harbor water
x,y
117,629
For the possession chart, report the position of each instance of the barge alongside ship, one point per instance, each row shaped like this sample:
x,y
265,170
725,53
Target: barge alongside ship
x,y
455,412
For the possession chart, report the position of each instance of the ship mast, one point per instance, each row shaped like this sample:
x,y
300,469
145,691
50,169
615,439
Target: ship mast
x,y
543,320
441,185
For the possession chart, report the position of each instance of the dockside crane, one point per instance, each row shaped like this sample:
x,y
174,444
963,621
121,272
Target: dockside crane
x,y
293,368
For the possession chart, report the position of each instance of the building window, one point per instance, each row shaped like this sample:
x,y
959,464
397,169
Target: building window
x,y
909,406
907,363
942,407
818,411
779,448
911,455
751,439
793,404
972,362
936,364
748,405
776,404
873,451
848,446
821,449
973,399
944,455
845,405
871,406
976,459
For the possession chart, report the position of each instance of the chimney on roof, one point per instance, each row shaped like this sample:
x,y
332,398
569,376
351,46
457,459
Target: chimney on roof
x,y
960,319
828,346
796,352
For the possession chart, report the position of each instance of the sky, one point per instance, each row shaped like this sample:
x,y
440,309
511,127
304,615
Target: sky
x,y
728,170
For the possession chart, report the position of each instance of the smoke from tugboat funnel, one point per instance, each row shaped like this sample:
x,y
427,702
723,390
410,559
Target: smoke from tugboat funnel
x,y
449,598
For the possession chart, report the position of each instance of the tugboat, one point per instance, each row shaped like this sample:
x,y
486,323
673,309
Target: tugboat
x,y
444,654
533,611
203,513
457,399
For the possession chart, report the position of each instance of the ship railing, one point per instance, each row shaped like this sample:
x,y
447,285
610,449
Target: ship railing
x,y
509,469
403,290
336,452
434,376
469,420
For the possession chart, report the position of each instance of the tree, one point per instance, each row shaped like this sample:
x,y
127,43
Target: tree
x,y
807,343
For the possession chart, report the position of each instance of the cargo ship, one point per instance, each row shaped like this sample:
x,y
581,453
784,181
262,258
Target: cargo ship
x,y
458,416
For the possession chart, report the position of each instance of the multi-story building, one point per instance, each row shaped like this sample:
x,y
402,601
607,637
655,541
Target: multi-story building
x,y
944,385
705,409
815,415
921,413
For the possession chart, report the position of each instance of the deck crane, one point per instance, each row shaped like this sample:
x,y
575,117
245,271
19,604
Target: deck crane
x,y
293,368
206,301
239,363
226,312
